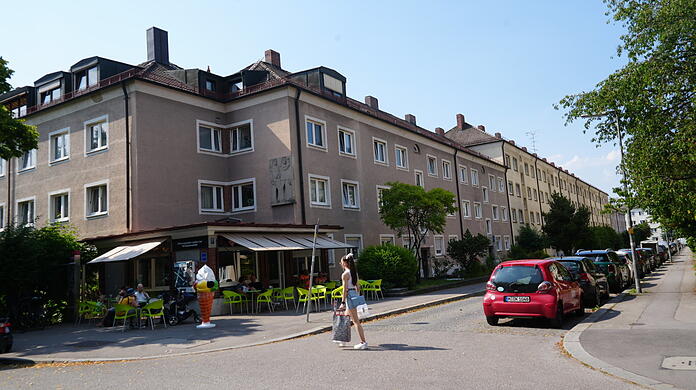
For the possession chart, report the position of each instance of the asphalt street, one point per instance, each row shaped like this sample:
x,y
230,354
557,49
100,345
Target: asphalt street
x,y
445,347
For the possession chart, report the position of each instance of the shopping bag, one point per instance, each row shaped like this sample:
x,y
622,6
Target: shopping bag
x,y
341,327
359,303
363,311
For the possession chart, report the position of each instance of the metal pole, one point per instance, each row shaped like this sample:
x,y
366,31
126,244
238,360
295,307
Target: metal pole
x,y
311,272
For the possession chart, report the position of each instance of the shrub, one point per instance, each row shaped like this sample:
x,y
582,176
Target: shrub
x,y
467,251
396,266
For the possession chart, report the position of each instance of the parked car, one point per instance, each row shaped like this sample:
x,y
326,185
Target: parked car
x,y
5,336
532,288
607,261
629,261
650,256
659,253
594,283
643,263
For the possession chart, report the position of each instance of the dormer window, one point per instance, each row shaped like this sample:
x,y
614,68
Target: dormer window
x,y
86,78
234,87
210,85
50,94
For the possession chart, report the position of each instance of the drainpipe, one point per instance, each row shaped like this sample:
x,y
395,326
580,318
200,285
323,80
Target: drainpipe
x,y
459,199
299,155
128,167
536,172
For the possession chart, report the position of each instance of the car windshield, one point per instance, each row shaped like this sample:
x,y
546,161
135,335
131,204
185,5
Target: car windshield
x,y
571,266
517,278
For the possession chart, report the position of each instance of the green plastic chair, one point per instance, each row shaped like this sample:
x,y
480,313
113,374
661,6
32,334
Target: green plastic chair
x,y
90,310
330,286
234,298
153,309
337,293
375,287
319,295
127,311
288,294
363,285
265,297
302,297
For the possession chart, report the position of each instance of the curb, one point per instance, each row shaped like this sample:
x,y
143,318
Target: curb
x,y
572,345
425,290
310,332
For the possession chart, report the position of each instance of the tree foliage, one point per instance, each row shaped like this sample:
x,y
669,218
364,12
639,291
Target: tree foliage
x,y
396,266
414,212
532,240
16,137
566,226
641,232
602,237
468,250
653,100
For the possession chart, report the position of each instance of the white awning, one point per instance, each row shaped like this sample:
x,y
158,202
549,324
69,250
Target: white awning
x,y
283,241
127,252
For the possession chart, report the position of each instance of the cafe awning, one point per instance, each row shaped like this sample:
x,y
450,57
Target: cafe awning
x,y
282,242
126,252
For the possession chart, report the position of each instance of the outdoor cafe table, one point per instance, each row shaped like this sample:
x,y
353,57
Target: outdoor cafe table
x,y
250,295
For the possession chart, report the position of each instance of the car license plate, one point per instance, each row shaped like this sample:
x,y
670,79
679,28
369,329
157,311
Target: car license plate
x,y
516,299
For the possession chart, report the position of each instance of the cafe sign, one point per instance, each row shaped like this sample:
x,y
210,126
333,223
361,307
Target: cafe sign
x,y
191,243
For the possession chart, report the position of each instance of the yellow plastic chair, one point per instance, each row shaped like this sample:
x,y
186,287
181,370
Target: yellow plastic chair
x,y
127,311
337,293
234,298
319,295
374,287
152,310
288,294
265,297
302,297
363,285
330,286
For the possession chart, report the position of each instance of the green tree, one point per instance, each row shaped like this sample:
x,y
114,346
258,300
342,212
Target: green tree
x,y
641,232
396,266
531,240
468,250
412,211
566,226
602,237
16,137
653,100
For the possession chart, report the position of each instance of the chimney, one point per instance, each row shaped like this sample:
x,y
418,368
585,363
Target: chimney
x,y
544,159
372,102
157,46
481,127
410,118
273,57
512,142
498,136
553,164
460,122
524,148
440,131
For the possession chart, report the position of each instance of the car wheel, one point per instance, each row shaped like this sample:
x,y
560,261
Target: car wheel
x,y
172,321
558,321
492,320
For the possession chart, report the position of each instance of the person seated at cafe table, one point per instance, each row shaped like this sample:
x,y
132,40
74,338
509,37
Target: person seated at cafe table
x,y
141,296
322,278
254,283
126,297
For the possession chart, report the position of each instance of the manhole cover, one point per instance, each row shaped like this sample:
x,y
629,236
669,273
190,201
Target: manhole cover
x,y
680,363
89,344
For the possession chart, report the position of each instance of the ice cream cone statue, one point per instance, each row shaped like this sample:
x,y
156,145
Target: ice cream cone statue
x,y
205,285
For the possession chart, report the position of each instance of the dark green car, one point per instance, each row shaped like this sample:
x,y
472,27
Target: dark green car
x,y
608,262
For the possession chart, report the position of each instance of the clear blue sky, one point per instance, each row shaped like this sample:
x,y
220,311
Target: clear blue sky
x,y
502,64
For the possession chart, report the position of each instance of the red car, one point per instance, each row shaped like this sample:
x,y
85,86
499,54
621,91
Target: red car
x,y
532,288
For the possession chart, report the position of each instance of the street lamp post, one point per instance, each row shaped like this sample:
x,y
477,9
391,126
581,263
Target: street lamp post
x,y
634,255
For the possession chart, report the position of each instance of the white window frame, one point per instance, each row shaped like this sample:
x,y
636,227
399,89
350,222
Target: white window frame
x,y
58,133
520,215
322,123
379,188
360,236
34,155
51,213
452,237
33,210
474,177
513,215
104,121
514,164
442,247
317,204
428,158
478,207
489,226
506,240
463,175
406,238
211,183
485,194
383,142
384,237
466,210
511,188
416,174
357,195
518,190
108,200
404,159
498,243
446,170
237,186
536,194
235,126
503,213
501,185
491,182
495,212
353,142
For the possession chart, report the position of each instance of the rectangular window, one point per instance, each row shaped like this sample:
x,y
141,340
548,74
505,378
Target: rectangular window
x,y
535,195
97,200
507,160
315,134
59,204
380,190
510,188
485,194
463,176
514,164
211,198
506,239
518,192
439,244
526,169
419,178
98,138
489,226
513,214
491,182
521,215
25,212
319,191
87,78
498,243
386,239
538,218
2,167
432,165
401,157
529,193
544,176
503,213
60,145
501,185
50,96
350,194
452,237
244,196
210,85
355,241
446,170
495,212
477,210
380,151
466,209
474,177
27,161
242,138
547,197
538,171
346,142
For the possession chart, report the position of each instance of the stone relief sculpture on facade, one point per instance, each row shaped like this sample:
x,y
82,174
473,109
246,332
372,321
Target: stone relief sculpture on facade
x,y
282,191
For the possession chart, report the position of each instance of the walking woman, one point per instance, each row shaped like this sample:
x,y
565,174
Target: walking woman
x,y
350,290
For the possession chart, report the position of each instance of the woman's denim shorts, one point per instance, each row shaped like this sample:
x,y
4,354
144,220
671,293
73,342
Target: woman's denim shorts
x,y
349,301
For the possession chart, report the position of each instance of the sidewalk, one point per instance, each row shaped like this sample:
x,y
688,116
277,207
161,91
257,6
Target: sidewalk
x,y
632,335
68,343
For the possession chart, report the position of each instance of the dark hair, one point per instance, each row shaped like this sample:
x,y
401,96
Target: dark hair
x,y
351,266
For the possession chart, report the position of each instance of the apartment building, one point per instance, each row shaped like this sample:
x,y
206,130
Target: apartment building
x,y
156,164
657,233
530,180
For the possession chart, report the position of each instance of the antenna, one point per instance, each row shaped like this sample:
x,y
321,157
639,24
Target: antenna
x,y
532,135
